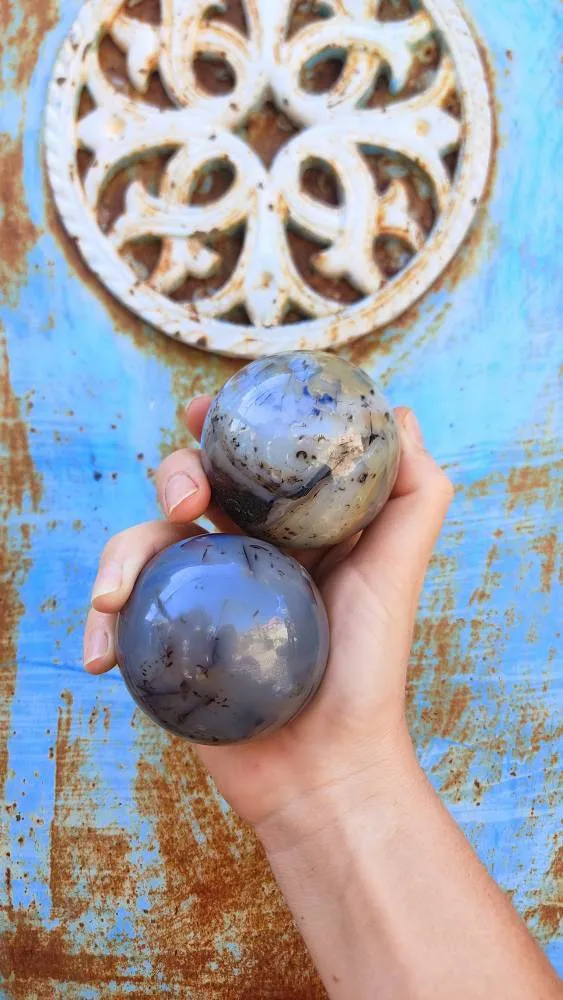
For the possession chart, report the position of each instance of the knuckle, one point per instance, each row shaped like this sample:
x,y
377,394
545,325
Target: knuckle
x,y
444,486
179,461
110,548
119,543
164,469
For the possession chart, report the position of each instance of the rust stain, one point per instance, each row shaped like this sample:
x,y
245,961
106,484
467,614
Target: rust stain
x,y
22,37
14,565
443,658
526,485
489,581
89,866
445,651
439,639
34,959
217,885
535,730
546,917
459,761
17,233
90,869
482,487
383,340
18,480
18,477
446,713
547,547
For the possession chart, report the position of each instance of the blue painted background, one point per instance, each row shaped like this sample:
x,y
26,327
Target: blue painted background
x,y
479,361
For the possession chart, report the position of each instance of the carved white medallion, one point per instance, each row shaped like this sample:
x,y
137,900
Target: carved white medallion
x,y
265,175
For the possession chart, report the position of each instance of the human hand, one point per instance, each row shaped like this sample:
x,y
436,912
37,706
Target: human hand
x,y
353,734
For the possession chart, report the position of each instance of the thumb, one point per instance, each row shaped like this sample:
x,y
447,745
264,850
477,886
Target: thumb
x,y
394,552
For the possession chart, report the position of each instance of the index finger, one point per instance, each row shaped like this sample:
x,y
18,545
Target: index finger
x,y
195,414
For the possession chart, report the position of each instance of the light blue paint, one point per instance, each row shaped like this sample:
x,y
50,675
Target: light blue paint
x,y
485,388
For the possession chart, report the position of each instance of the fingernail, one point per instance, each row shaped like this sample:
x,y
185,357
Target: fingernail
x,y
179,488
96,645
413,430
108,580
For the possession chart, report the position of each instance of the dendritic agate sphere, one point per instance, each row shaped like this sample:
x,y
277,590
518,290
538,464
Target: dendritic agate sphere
x,y
223,639
301,449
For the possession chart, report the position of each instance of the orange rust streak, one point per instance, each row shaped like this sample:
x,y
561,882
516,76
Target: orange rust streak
x,y
90,869
441,639
18,476
17,233
528,484
25,39
89,866
447,712
545,917
482,594
221,886
33,960
546,547
13,565
18,479
459,762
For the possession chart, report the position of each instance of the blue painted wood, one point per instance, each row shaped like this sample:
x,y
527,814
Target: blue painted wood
x,y
115,848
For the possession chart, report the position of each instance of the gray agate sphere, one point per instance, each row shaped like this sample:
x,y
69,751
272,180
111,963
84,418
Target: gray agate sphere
x,y
223,639
301,449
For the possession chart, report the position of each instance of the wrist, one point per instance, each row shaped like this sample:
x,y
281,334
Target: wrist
x,y
383,785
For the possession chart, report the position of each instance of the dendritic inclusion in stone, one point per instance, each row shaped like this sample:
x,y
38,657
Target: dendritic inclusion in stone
x,y
301,449
223,639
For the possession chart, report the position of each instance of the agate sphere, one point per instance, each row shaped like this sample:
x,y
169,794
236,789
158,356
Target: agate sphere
x,y
301,449
223,639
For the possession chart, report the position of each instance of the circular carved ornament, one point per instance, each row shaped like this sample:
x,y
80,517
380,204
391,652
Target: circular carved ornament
x,y
265,175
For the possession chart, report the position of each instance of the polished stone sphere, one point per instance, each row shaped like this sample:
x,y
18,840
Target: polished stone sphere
x,y
223,639
301,449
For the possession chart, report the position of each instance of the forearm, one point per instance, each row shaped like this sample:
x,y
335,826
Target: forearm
x,y
393,903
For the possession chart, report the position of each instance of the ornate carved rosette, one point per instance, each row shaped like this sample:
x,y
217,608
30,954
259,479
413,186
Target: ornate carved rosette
x,y
265,175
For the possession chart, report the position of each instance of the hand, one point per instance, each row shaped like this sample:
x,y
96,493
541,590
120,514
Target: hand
x,y
353,733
